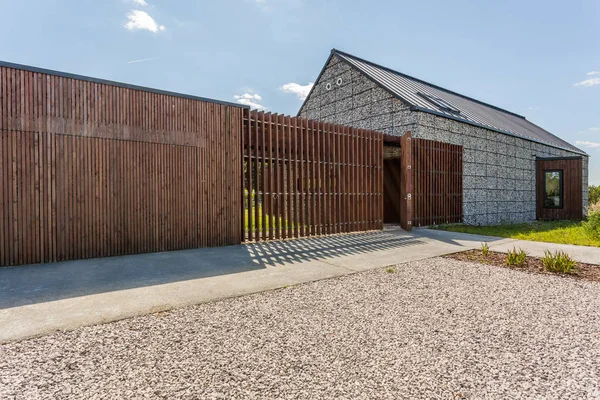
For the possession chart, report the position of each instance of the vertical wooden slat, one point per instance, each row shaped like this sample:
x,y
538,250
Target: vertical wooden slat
x,y
300,157
263,174
295,132
312,178
249,168
317,177
277,198
290,178
257,164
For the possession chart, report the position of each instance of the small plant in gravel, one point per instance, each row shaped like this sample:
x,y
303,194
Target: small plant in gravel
x,y
390,270
516,258
485,249
559,262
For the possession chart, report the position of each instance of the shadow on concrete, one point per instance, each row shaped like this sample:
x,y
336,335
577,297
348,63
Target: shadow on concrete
x,y
323,248
33,284
455,238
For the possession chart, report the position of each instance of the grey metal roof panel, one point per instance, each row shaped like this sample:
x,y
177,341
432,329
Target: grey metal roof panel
x,y
472,111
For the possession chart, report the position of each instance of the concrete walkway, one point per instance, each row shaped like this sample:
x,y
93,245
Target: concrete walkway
x,y
584,254
39,299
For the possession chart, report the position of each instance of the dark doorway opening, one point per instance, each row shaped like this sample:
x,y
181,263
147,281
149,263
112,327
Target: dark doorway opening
x,y
391,190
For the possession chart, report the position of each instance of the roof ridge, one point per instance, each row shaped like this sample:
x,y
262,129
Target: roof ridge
x,y
336,51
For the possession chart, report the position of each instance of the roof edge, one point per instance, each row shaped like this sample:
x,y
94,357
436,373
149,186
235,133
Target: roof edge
x,y
117,84
425,110
379,85
315,83
427,83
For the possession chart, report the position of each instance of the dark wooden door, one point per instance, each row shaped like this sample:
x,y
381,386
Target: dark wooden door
x,y
391,190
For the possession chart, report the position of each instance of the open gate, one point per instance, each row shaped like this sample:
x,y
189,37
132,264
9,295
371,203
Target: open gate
x,y
426,178
309,178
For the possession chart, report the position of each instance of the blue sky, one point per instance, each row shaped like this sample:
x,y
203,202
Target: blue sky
x,y
536,58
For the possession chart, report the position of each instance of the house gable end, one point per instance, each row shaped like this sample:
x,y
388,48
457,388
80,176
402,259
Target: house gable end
x,y
343,94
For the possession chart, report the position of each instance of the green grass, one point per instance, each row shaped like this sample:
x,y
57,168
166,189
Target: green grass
x,y
564,232
269,220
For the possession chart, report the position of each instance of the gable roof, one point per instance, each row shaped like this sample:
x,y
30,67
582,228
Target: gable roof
x,y
424,96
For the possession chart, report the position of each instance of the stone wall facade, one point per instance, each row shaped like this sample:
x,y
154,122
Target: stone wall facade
x,y
499,171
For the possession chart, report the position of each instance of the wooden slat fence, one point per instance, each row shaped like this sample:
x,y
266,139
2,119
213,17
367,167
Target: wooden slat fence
x,y
437,182
92,169
309,178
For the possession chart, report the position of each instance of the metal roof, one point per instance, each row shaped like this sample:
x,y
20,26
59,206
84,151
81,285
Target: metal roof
x,y
415,92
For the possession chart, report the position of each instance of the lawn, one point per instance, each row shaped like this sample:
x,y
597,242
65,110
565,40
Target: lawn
x,y
269,220
564,232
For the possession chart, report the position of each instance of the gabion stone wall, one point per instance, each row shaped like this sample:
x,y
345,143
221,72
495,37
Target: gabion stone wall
x,y
390,152
499,170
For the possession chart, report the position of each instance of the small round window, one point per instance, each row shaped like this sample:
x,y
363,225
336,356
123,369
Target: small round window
x,y
339,81
328,86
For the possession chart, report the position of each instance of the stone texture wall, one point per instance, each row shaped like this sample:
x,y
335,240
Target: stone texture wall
x,y
345,96
499,170
390,152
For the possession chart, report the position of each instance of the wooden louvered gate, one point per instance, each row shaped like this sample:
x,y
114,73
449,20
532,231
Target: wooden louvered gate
x,y
309,178
437,176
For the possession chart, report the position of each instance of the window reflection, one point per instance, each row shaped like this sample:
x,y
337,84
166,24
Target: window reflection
x,y
553,189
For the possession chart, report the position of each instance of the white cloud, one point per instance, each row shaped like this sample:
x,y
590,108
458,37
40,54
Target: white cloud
x,y
588,130
301,91
535,108
142,60
587,144
250,99
142,20
589,82
140,2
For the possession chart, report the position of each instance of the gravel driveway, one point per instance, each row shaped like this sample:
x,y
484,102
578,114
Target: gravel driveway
x,y
437,328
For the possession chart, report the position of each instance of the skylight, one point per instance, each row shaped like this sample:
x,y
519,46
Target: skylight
x,y
439,103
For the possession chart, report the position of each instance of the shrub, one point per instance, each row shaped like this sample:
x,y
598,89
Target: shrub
x,y
485,249
559,262
592,225
518,258
594,194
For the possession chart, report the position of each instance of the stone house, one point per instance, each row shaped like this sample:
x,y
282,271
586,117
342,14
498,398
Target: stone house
x,y
513,170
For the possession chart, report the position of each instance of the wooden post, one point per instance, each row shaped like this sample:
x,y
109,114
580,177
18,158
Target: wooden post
x,y
406,183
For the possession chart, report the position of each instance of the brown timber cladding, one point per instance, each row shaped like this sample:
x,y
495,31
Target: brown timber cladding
x,y
90,169
307,178
437,182
572,188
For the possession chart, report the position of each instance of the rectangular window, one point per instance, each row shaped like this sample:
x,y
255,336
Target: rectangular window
x,y
553,189
439,103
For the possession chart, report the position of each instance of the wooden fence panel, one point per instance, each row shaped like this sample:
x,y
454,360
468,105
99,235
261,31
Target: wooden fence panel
x,y
437,170
92,168
316,178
